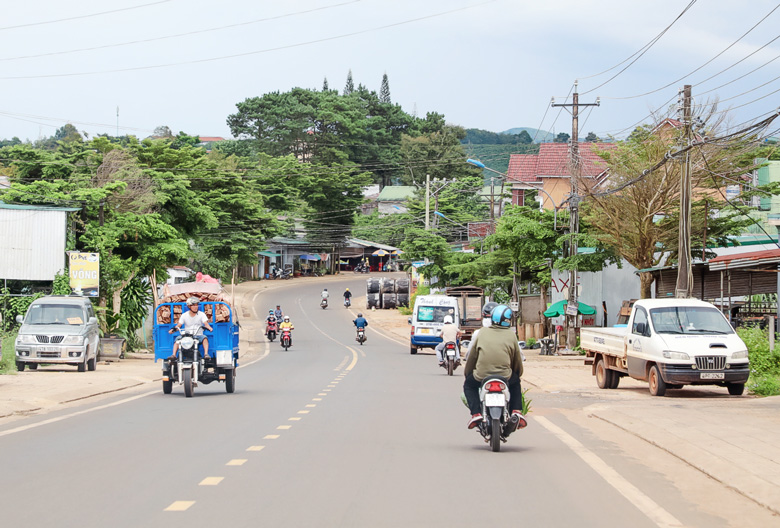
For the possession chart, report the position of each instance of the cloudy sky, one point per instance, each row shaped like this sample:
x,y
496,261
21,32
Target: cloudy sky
x,y
484,64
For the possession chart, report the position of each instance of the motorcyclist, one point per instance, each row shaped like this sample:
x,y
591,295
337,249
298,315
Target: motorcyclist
x,y
270,320
360,322
487,309
278,313
325,294
195,321
495,352
285,325
450,333
347,296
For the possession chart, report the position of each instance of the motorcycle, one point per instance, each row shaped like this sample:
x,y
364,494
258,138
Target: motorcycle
x,y
189,368
286,274
347,302
362,268
286,339
271,330
451,357
324,303
498,424
361,336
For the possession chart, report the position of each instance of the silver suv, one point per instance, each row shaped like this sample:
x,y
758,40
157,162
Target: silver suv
x,y
58,330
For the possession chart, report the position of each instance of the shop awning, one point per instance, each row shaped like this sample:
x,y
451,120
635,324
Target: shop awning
x,y
269,254
310,257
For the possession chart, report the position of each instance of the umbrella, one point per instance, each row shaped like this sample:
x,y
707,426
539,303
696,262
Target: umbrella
x,y
397,252
559,308
380,253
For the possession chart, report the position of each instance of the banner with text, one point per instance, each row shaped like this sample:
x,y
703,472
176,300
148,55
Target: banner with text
x,y
84,273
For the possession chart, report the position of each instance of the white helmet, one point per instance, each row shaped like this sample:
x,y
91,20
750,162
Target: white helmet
x,y
447,319
287,318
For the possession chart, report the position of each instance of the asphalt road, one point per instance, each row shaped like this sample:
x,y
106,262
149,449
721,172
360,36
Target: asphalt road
x,y
326,434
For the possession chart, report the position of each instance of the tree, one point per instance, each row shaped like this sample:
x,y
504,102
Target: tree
x,y
562,137
384,92
350,86
325,85
592,138
635,212
162,132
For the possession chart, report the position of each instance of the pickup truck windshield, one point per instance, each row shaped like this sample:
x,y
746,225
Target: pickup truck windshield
x,y
48,314
434,314
694,320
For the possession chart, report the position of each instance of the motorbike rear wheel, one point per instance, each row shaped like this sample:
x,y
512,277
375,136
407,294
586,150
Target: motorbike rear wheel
x,y
167,386
495,435
450,366
230,381
188,388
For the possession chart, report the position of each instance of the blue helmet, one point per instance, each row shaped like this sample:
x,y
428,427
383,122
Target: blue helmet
x,y
501,316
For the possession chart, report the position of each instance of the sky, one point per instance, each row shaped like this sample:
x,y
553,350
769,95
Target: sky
x,y
487,64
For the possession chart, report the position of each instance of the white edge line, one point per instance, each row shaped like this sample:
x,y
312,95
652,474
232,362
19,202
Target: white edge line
x,y
643,503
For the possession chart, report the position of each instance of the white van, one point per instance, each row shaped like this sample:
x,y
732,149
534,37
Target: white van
x,y
428,318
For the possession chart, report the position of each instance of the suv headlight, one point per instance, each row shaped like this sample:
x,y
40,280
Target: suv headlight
x,y
25,339
668,354
73,340
740,354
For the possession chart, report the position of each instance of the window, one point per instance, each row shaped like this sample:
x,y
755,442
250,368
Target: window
x,y
689,320
640,317
434,314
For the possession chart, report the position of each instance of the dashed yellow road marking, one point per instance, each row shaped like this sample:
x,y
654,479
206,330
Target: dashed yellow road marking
x,y
270,437
284,427
211,481
331,386
294,419
179,506
325,390
316,399
303,412
255,448
311,405
237,462
321,394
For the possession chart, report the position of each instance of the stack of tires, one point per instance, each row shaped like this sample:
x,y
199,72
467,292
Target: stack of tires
x,y
387,287
373,296
402,292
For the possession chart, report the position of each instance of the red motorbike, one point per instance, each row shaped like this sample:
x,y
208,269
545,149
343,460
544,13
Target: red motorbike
x,y
286,339
271,330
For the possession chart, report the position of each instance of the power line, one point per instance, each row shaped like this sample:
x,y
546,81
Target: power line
x,y
250,53
80,17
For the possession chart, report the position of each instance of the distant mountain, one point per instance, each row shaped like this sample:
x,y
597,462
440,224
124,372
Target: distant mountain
x,y
541,136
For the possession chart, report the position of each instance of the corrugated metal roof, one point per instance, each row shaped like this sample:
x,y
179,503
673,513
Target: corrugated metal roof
x,y
396,193
368,243
4,205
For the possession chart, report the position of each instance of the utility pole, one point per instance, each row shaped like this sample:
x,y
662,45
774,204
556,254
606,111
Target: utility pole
x,y
575,172
427,202
684,274
492,206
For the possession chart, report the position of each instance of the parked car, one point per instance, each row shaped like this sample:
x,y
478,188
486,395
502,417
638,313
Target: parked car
x,y
58,330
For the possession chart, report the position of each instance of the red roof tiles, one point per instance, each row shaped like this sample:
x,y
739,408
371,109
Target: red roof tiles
x,y
552,162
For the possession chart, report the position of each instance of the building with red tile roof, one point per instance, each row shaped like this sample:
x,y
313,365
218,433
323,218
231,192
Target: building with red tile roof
x,y
549,171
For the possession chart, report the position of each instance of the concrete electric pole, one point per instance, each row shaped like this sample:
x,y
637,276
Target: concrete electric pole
x,y
684,284
575,171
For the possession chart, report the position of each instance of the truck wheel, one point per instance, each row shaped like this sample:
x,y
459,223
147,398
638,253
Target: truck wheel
x,y
92,364
33,366
83,365
656,382
20,366
603,375
615,380
413,350
736,389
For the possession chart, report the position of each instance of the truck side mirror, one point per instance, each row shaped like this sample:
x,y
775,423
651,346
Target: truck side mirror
x,y
410,320
19,319
92,320
639,328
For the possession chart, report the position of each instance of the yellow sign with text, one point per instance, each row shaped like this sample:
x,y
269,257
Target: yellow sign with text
x,y
84,273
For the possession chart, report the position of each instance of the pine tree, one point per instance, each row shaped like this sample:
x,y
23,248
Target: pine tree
x,y
325,85
350,87
384,92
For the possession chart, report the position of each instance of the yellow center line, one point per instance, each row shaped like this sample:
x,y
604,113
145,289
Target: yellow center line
x,y
255,448
303,412
321,394
211,481
179,506
270,437
237,462
311,405
316,399
284,427
294,419
325,390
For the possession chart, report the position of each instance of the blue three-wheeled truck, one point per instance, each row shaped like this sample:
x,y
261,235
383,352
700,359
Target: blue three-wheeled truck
x,y
189,367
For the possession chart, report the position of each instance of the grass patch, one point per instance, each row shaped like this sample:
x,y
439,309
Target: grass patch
x,y
7,364
421,290
764,365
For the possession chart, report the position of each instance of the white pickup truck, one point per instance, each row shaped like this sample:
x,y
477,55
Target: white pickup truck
x,y
669,343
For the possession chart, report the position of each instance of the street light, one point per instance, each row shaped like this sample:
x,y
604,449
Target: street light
x,y
481,165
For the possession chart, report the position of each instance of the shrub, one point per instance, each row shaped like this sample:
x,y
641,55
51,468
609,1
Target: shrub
x,y
764,365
